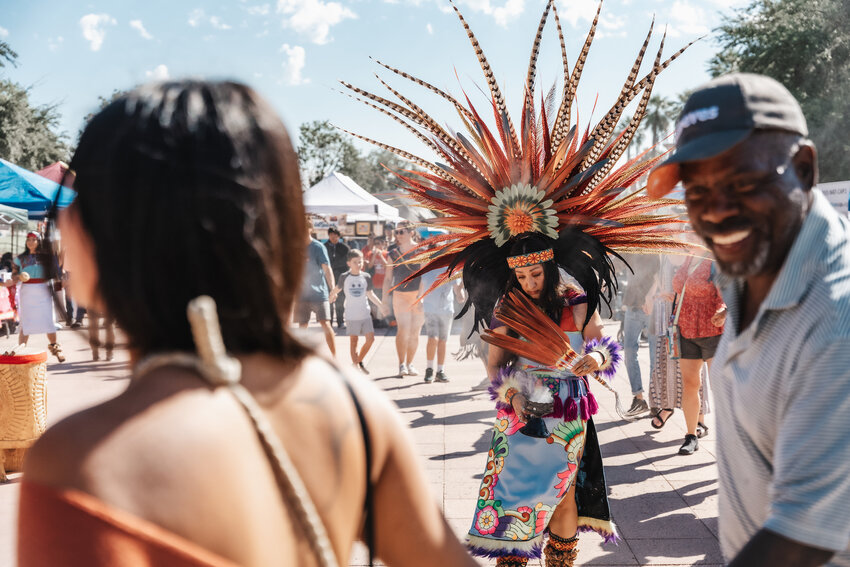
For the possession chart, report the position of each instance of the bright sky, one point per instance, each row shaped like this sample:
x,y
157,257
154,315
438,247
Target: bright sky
x,y
294,51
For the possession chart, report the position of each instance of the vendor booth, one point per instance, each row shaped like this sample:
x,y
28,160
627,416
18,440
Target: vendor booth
x,y
345,204
58,172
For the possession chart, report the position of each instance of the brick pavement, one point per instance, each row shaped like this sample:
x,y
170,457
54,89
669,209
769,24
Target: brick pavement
x,y
665,505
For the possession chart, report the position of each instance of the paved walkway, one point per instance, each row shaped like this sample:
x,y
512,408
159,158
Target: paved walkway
x,y
664,505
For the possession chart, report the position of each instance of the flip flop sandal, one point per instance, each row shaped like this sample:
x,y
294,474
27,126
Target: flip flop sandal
x,y
702,430
659,418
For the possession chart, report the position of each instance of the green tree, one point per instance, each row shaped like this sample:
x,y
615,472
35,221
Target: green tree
x,y
803,44
674,107
323,149
374,175
27,132
102,102
27,136
6,54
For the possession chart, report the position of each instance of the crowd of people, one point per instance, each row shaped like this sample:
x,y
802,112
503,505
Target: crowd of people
x,y
238,444
374,288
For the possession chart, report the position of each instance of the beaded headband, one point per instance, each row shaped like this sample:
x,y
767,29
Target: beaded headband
x,y
531,258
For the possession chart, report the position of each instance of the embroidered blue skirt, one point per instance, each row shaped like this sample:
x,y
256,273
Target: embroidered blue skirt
x,y
525,478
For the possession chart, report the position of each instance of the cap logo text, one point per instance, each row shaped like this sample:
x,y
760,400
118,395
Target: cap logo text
x,y
694,117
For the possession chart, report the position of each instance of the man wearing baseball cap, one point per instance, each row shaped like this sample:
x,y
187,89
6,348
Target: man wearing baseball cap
x,y
781,374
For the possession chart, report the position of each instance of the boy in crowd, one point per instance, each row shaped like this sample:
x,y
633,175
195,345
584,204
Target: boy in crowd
x,y
439,307
357,286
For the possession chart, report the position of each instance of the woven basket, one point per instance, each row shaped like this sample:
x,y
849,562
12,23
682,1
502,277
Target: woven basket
x,y
23,416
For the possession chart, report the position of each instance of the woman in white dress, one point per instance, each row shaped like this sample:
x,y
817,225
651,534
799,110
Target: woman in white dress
x,y
35,304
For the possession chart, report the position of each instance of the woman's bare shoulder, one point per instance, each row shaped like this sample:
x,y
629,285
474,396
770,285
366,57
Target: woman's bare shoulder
x,y
54,460
171,416
63,455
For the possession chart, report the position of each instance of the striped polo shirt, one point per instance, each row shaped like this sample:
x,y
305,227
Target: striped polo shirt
x,y
782,391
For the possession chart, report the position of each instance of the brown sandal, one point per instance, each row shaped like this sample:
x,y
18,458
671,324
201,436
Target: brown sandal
x,y
56,350
662,421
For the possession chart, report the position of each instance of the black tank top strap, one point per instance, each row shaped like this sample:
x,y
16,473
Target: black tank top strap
x,y
369,525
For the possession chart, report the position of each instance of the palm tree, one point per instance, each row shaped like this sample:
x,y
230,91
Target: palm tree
x,y
657,119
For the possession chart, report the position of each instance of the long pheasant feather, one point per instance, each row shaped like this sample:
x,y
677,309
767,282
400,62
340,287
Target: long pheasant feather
x,y
535,50
488,74
601,133
577,70
428,86
562,118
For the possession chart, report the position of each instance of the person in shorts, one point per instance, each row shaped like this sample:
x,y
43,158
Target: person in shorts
x,y
318,279
357,287
439,306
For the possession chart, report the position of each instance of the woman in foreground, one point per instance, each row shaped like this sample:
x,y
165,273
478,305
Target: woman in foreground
x,y
189,189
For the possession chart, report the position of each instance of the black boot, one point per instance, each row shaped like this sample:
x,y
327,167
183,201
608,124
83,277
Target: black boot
x,y
561,552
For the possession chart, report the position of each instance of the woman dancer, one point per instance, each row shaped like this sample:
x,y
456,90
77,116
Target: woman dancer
x,y
523,199
263,456
35,307
529,484
407,301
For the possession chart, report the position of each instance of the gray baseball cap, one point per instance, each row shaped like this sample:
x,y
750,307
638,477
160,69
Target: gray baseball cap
x,y
720,115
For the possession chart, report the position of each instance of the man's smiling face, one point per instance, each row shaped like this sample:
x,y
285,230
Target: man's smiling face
x,y
748,203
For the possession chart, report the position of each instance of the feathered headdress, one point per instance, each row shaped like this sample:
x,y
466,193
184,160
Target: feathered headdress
x,y
535,176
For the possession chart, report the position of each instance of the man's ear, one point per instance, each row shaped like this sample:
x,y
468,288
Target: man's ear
x,y
805,163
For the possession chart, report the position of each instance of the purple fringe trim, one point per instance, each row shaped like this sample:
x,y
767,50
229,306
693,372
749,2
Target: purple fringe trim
x,y
570,410
606,536
503,373
577,299
615,354
534,553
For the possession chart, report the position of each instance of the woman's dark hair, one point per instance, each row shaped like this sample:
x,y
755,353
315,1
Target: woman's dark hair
x,y
40,249
6,261
191,188
552,296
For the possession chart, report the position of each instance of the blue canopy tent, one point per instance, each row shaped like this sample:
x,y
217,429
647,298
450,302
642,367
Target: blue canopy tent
x,y
24,189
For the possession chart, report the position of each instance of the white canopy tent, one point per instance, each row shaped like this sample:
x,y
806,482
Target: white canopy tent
x,y
15,221
407,207
338,194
